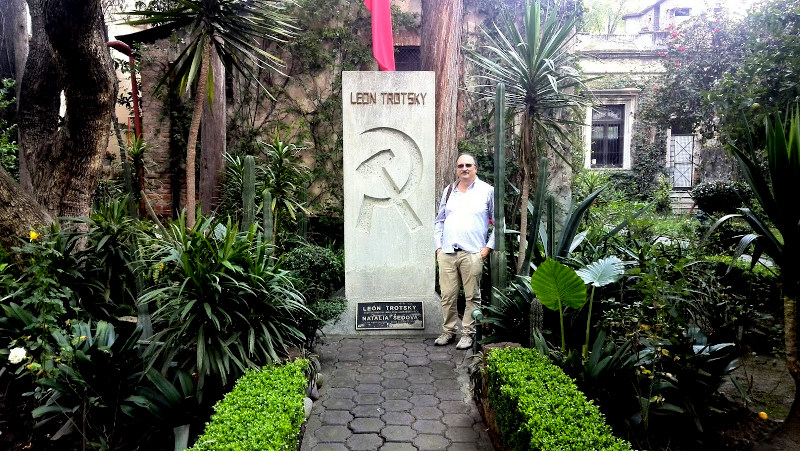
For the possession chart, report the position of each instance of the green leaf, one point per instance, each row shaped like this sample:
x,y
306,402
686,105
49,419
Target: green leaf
x,y
602,272
557,285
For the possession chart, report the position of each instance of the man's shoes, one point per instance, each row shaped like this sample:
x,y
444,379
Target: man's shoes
x,y
444,339
465,342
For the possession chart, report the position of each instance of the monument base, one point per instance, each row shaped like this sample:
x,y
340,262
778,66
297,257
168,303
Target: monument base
x,y
388,317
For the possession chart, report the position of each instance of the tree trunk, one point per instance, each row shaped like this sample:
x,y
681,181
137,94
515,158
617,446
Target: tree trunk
x,y
61,156
194,129
20,213
212,146
529,165
441,52
13,38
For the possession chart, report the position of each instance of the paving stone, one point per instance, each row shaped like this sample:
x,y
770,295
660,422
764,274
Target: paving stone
x,y
395,374
418,361
455,407
350,357
394,357
366,425
336,382
461,434
370,378
424,401
444,373
369,388
372,361
461,446
440,356
397,405
395,349
422,389
428,413
370,369
368,398
398,433
342,393
457,420
395,365
335,434
429,427
330,447
449,395
396,393
398,418
444,384
329,417
418,370
431,442
398,446
416,352
364,442
394,342
422,379
437,366
368,411
395,383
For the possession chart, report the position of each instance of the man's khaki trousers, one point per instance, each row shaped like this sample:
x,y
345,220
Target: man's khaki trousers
x,y
459,268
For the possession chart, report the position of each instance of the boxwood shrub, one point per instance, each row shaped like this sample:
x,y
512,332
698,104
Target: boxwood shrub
x,y
264,411
538,407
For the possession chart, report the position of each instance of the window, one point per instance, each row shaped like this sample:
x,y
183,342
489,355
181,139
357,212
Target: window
x,y
608,125
608,129
406,58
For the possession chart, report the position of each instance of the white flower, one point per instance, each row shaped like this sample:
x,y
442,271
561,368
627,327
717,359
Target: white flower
x,y
17,355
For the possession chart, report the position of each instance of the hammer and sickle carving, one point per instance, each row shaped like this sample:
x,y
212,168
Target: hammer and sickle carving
x,y
375,165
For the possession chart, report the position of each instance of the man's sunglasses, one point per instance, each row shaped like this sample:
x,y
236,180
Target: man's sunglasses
x,y
465,165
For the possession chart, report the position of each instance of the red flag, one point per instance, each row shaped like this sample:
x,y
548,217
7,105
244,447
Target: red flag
x,y
382,40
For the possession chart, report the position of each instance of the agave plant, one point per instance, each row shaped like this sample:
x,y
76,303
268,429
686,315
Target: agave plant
x,y
776,191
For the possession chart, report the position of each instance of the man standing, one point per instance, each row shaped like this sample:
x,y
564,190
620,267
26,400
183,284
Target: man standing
x,y
461,246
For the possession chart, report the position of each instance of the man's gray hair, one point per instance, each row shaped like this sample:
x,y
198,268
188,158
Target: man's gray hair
x,y
474,161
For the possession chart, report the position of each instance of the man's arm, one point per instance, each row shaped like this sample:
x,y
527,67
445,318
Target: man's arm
x,y
438,224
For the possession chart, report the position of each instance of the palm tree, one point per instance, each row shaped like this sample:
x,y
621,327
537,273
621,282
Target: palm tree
x,y
233,29
542,85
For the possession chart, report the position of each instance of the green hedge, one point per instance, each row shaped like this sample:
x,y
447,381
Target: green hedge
x,y
264,411
538,407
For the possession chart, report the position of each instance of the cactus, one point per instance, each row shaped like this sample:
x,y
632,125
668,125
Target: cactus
x,y
248,193
498,261
267,216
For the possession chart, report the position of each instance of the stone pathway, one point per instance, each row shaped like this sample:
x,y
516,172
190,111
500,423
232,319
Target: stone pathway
x,y
394,394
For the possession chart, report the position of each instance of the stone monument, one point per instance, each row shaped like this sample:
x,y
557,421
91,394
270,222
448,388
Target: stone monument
x,y
389,204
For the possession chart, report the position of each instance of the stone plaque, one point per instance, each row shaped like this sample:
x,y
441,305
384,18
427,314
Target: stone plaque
x,y
388,125
390,315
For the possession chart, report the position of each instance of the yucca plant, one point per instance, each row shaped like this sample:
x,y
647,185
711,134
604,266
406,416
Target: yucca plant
x,y
538,69
775,190
223,307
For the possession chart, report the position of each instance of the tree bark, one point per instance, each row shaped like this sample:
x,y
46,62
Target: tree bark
x,y
194,130
440,52
13,38
19,213
212,145
61,156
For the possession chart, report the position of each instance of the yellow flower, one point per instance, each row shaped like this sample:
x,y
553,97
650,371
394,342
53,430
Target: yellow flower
x,y
763,415
34,235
